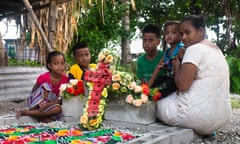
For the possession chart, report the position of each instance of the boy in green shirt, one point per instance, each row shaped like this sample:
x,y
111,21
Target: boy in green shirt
x,y
147,62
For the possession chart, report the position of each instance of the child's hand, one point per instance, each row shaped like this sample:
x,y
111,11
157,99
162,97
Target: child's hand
x,y
175,62
181,53
160,65
42,106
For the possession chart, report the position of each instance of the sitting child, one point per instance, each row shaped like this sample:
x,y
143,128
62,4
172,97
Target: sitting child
x,y
82,56
44,101
172,37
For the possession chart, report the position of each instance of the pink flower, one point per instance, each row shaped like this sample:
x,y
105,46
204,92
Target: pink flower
x,y
129,99
137,102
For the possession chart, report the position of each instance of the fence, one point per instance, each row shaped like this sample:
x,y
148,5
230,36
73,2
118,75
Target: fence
x,y
19,54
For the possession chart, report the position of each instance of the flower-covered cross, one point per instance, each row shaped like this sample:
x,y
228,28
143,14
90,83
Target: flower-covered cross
x,y
97,81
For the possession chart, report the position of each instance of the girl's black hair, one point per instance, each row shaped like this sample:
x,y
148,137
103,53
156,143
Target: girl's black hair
x,y
151,28
168,23
196,21
79,45
51,55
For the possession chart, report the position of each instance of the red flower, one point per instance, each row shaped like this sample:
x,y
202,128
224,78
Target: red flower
x,y
79,88
93,103
145,89
127,137
157,96
103,139
96,95
88,75
80,84
70,90
101,65
97,86
93,111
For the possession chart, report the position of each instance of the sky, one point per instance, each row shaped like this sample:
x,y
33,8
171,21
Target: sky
x,y
12,29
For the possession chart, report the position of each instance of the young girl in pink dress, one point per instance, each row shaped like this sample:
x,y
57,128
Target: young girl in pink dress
x,y
44,102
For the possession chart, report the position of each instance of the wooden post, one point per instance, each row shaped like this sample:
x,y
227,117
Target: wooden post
x,y
35,20
52,22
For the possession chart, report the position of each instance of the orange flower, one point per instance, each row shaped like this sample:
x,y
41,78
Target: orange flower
x,y
115,86
109,59
76,133
93,122
62,132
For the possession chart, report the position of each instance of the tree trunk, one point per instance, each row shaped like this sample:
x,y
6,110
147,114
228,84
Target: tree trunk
x,y
126,56
3,54
35,20
52,22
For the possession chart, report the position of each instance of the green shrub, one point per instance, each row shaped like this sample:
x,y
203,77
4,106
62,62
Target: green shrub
x,y
234,67
14,62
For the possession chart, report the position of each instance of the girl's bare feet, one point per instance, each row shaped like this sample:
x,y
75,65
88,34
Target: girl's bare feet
x,y
18,114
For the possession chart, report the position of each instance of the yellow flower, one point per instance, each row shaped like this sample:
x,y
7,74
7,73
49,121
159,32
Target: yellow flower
x,y
102,102
115,86
116,77
104,92
83,119
13,137
101,107
101,56
106,51
62,132
129,99
144,98
137,102
117,133
109,59
80,142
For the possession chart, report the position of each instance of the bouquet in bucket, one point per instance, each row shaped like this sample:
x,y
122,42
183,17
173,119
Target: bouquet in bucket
x,y
72,89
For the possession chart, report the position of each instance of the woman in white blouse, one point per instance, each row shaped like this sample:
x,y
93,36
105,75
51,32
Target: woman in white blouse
x,y
202,102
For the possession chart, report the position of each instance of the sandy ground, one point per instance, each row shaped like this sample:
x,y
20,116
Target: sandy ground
x,y
7,107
